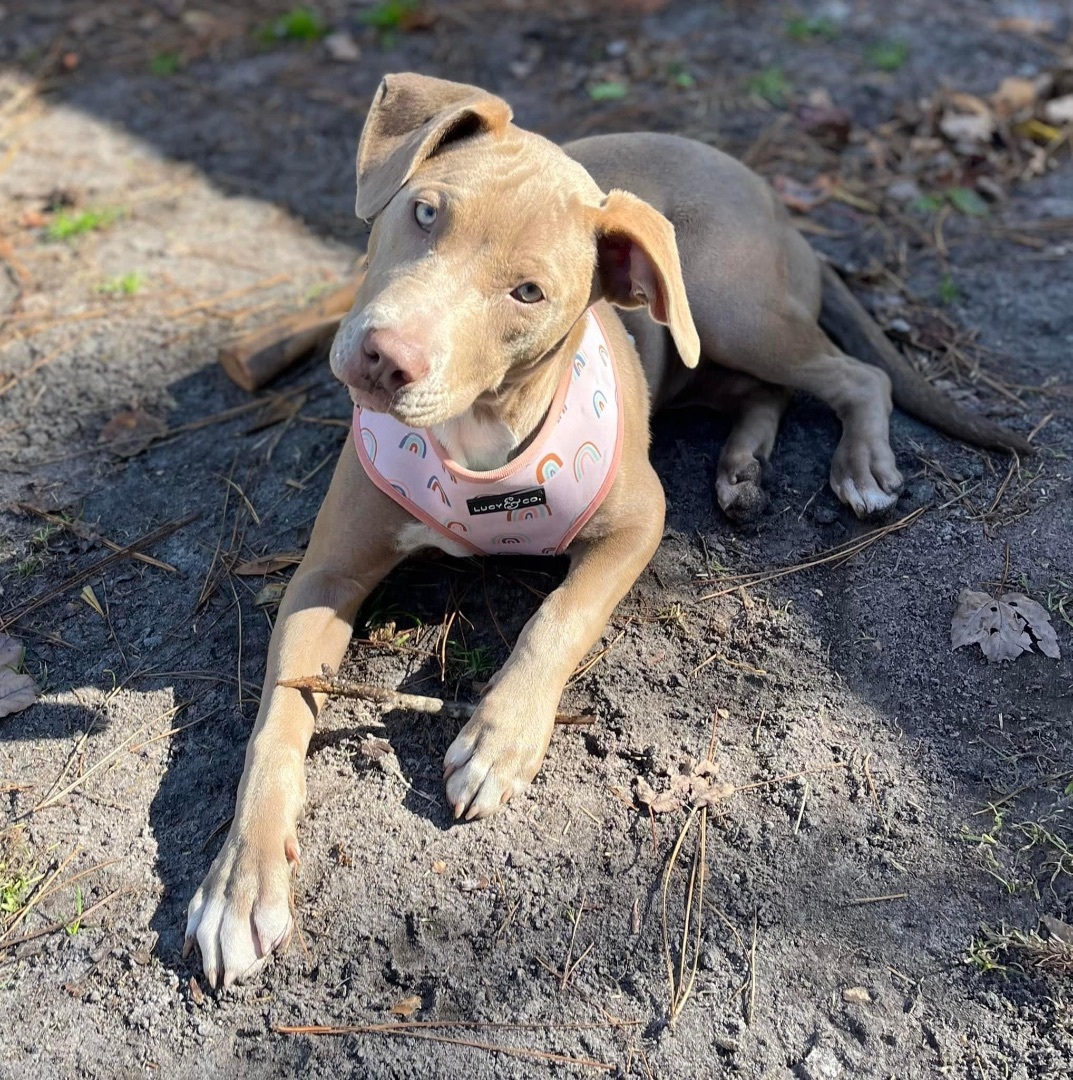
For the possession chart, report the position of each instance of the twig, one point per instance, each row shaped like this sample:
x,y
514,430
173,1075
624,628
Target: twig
x,y
395,699
66,922
407,1032
751,1007
876,899
12,616
838,554
801,808
85,532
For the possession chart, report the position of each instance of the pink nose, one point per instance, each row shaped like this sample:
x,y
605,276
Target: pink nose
x,y
390,360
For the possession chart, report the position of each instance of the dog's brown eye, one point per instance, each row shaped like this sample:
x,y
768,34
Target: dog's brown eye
x,y
425,215
528,293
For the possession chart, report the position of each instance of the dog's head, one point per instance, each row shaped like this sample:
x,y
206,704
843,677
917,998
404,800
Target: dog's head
x,y
488,244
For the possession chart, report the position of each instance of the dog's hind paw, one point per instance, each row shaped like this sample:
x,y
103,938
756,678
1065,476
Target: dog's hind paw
x,y
738,491
865,478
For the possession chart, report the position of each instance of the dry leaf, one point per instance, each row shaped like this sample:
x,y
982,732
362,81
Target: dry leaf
x,y
268,564
197,995
375,749
407,1007
1058,929
439,866
17,692
802,198
90,597
664,803
1003,628
11,652
1013,95
132,431
856,995
17,689
694,785
271,594
967,119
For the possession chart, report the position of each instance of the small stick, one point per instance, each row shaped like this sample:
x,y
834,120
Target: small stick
x,y
752,976
409,1033
12,616
877,899
801,809
53,927
875,794
395,699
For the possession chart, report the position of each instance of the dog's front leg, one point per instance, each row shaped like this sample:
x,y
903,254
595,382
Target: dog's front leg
x,y
501,748
242,911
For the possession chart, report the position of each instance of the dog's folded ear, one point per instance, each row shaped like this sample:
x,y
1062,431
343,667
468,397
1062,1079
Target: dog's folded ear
x,y
638,265
411,117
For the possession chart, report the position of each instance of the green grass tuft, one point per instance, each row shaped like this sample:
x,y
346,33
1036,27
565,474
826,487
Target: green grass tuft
x,y
124,285
889,55
770,84
811,28
67,225
299,24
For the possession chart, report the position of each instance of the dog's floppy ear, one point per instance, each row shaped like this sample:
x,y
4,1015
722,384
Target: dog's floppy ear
x,y
637,264
411,117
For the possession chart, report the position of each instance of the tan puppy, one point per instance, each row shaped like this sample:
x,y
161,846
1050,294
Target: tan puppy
x,y
488,247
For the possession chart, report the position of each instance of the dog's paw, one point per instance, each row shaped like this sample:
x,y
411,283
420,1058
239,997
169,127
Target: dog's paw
x,y
242,912
865,477
738,490
492,759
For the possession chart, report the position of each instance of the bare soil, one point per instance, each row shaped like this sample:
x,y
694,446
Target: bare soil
x,y
897,801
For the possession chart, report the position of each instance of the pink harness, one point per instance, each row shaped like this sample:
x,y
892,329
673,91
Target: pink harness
x,y
537,503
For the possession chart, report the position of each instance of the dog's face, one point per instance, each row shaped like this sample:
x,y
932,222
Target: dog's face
x,y
488,245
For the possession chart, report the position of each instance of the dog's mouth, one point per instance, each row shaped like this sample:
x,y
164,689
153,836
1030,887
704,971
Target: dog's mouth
x,y
414,408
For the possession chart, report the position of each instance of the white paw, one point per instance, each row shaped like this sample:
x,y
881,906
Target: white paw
x,y
242,912
492,760
864,477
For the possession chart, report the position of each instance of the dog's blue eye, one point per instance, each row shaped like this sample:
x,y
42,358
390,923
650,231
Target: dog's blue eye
x,y
424,215
528,293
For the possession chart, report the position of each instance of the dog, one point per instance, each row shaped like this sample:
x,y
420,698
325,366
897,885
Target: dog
x,y
524,308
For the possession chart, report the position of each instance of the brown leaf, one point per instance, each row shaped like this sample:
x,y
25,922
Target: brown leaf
x,y
439,866
375,749
270,595
802,198
1058,929
17,692
268,564
132,431
1003,628
831,124
714,793
856,995
406,1007
1013,95
197,995
11,652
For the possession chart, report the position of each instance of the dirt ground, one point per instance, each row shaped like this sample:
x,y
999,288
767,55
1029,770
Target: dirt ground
x,y
902,812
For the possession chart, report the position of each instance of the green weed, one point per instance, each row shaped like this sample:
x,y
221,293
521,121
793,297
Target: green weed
x,y
124,285
164,64
298,24
889,55
67,225
770,84
949,293
608,91
811,28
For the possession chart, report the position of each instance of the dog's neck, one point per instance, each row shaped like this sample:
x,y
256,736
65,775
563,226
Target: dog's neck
x,y
500,425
